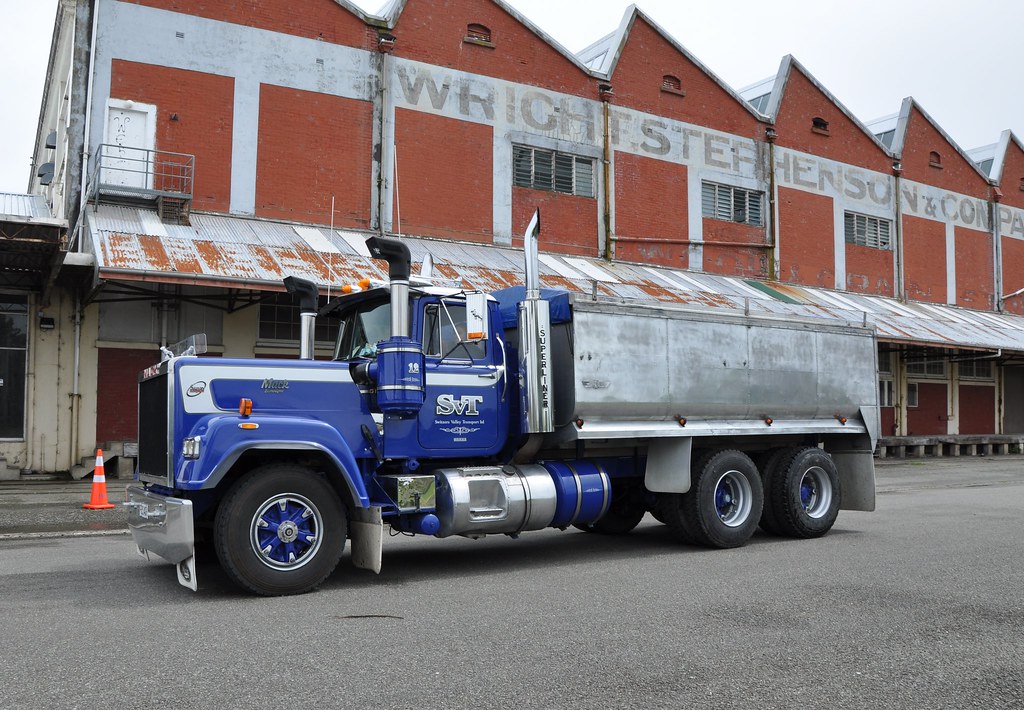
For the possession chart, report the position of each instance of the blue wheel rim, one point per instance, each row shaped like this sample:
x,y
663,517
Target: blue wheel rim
x,y
286,531
733,498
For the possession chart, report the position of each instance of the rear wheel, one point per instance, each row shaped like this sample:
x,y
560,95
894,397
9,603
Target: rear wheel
x,y
280,530
768,465
723,506
804,494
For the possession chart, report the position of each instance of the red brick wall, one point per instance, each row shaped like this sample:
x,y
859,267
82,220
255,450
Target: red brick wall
x,y
975,285
929,416
432,31
316,19
445,177
846,142
869,270
956,173
977,409
1013,274
204,106
637,79
1011,186
806,239
650,211
569,224
924,244
117,392
748,258
311,146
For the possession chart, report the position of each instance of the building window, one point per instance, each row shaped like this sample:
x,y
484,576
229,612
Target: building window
x,y
976,370
934,159
1022,184
672,84
279,321
819,125
13,356
730,203
549,170
912,395
885,393
867,231
478,34
927,365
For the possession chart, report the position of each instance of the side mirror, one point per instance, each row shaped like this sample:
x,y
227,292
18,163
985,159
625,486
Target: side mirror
x,y
476,316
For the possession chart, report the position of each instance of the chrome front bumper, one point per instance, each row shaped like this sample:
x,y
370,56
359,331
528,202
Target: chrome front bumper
x,y
163,525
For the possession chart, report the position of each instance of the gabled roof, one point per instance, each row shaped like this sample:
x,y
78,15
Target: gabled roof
x,y
999,155
602,57
392,11
899,138
778,91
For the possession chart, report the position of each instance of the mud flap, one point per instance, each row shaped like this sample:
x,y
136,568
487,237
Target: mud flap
x,y
367,531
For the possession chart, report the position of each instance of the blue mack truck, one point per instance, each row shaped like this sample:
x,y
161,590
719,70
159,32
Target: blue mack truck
x,y
454,412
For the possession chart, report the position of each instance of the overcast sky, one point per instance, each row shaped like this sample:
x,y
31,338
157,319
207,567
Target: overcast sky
x,y
961,60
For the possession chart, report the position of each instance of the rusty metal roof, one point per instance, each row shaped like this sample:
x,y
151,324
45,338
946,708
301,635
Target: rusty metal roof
x,y
131,244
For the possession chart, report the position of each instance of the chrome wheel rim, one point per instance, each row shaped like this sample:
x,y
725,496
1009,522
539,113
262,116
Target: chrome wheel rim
x,y
733,498
286,531
815,492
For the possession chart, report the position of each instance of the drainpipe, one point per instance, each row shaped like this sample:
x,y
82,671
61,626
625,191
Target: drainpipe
x,y
606,94
385,45
76,397
898,276
773,222
997,246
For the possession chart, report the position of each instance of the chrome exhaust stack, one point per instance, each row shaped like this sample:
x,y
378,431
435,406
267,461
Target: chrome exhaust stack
x,y
534,343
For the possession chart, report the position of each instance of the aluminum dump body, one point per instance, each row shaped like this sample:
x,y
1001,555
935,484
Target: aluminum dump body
x,y
644,363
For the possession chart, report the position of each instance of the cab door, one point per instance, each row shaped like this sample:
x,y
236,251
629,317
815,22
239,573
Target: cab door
x,y
462,410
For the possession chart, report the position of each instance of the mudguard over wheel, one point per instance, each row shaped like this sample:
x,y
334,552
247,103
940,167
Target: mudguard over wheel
x,y
723,506
804,494
280,530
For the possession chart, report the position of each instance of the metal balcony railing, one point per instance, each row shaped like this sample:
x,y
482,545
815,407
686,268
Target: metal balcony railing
x,y
123,172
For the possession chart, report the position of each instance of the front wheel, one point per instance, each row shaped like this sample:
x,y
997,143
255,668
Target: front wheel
x,y
723,506
280,530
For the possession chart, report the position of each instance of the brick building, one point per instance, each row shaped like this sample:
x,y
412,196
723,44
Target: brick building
x,y
202,151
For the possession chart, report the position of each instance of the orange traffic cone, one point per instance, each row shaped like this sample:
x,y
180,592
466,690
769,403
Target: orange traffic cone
x,y
99,487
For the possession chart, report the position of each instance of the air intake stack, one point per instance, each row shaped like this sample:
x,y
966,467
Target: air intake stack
x,y
400,365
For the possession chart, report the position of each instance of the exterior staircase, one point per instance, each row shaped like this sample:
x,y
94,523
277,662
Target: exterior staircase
x,y
118,461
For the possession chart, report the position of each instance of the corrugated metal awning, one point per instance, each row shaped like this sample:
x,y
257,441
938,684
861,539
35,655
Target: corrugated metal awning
x,y
131,244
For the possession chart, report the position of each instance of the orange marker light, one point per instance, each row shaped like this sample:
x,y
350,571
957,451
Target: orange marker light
x,y
579,423
245,407
364,284
248,425
347,288
768,421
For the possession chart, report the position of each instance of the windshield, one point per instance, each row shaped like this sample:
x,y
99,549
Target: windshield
x,y
362,329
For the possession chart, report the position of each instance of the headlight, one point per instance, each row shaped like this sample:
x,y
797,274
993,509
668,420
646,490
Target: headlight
x,y
190,447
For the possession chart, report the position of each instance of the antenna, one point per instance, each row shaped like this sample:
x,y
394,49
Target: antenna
x,y
330,276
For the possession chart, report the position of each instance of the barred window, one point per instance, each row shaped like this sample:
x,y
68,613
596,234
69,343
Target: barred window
x,y
976,369
867,231
730,203
552,171
279,320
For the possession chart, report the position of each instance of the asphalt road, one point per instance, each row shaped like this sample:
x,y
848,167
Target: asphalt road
x,y
918,605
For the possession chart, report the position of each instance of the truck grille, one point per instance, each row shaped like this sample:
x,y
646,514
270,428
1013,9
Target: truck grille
x,y
153,431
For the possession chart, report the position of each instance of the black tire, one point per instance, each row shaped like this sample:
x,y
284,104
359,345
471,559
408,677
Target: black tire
x,y
723,506
768,464
280,530
804,494
625,511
